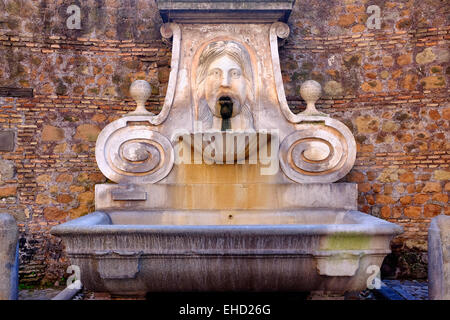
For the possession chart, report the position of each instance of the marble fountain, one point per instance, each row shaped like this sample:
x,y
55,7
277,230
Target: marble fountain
x,y
225,189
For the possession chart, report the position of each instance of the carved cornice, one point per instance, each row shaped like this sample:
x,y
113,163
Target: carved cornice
x,y
225,11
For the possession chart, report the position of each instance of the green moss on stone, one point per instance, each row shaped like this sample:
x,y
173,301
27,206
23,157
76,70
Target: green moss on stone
x,y
435,69
353,61
295,76
401,116
68,79
134,64
361,138
71,118
36,61
347,241
61,89
440,82
116,79
307,66
12,23
94,91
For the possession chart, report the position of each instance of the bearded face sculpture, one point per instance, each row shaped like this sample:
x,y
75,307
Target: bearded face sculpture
x,y
225,87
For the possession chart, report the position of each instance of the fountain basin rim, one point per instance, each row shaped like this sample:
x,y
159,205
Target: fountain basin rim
x,y
99,223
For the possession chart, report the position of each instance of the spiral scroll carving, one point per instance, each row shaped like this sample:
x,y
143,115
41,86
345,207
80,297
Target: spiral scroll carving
x,y
167,30
280,29
321,152
133,153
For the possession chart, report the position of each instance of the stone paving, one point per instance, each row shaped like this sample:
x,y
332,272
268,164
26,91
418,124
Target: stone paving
x,y
39,294
407,289
390,290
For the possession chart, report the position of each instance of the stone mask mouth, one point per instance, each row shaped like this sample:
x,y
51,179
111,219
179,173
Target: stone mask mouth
x,y
225,104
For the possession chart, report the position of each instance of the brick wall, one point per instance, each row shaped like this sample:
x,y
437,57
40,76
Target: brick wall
x,y
389,86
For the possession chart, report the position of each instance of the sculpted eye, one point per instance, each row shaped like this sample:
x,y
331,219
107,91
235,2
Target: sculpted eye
x,y
235,73
215,73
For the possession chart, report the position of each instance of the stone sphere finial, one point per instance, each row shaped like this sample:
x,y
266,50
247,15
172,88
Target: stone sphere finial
x,y
140,91
310,92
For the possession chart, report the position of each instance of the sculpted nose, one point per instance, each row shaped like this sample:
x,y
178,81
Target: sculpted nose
x,y
225,81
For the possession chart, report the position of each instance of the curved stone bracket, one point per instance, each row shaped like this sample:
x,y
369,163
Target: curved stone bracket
x,y
118,265
337,265
128,151
281,30
320,151
169,30
343,263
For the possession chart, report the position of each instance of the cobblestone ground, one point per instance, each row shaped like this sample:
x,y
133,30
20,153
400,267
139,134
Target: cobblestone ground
x,y
409,289
39,294
391,290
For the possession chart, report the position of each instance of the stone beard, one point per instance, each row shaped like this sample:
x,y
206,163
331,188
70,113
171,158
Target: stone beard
x,y
225,87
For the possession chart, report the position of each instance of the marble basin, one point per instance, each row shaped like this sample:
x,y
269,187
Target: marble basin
x,y
228,147
312,249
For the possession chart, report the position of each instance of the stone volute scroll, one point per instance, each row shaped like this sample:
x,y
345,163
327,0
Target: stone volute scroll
x,y
281,30
322,149
140,90
132,149
129,151
169,30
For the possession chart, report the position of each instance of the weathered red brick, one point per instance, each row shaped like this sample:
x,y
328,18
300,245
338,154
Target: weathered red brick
x,y
413,212
432,187
396,212
384,199
97,177
364,187
431,210
385,212
440,197
64,198
8,191
404,59
405,200
407,177
376,187
421,198
51,133
54,214
64,177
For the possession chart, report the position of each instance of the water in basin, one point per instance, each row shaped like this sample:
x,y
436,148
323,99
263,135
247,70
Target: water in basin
x,y
231,217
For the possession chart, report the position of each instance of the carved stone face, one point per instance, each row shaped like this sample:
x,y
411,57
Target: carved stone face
x,y
225,79
225,90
